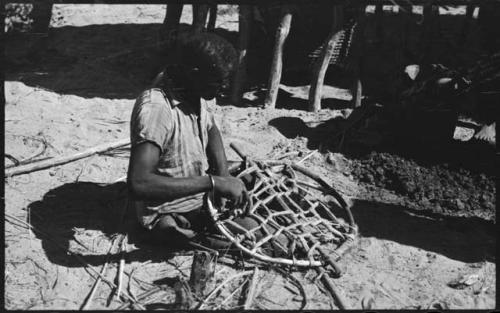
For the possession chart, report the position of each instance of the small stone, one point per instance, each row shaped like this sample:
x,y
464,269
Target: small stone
x,y
460,205
330,159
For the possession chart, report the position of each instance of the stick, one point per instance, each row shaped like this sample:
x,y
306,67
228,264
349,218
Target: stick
x,y
120,179
88,300
43,148
307,156
170,27
340,301
212,18
37,166
277,63
222,285
315,92
79,258
251,289
200,14
121,266
232,293
245,17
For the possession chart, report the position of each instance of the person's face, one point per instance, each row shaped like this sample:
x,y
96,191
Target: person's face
x,y
207,84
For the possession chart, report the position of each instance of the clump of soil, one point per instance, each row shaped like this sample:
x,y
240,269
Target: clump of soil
x,y
441,188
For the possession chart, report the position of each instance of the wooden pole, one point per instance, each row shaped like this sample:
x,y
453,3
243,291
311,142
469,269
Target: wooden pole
x,y
200,14
356,54
469,12
339,299
38,166
405,14
251,289
41,14
170,27
379,19
357,91
277,64
429,29
213,18
245,19
323,60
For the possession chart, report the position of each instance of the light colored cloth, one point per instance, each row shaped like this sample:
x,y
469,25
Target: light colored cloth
x,y
182,136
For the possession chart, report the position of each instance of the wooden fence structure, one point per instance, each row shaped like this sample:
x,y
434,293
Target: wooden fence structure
x,y
208,9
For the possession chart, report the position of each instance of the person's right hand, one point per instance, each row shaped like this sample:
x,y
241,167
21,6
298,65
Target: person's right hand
x,y
232,189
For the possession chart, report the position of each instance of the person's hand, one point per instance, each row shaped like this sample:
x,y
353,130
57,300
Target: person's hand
x,y
232,189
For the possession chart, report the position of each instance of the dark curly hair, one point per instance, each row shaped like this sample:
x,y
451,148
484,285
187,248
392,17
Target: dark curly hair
x,y
206,51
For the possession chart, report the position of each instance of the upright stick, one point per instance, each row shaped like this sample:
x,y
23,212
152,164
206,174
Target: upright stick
x,y
245,19
170,27
212,19
200,14
277,63
321,65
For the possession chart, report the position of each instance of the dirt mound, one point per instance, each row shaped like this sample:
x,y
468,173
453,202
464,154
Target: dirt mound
x,y
440,188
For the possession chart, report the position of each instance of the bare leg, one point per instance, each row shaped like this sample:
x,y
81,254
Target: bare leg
x,y
487,133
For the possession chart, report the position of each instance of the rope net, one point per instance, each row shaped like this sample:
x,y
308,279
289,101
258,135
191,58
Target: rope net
x,y
292,214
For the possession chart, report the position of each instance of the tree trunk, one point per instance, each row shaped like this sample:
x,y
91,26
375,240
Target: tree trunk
x,y
200,14
277,64
170,27
323,60
213,18
245,19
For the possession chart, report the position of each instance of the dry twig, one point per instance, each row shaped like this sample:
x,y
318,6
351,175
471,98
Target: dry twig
x,y
37,166
245,281
87,267
219,287
121,266
251,289
88,299
307,156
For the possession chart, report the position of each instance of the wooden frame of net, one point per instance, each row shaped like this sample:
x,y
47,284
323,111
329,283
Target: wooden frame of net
x,y
288,209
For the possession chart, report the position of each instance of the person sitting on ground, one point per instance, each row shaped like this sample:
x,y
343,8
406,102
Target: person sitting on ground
x,y
177,153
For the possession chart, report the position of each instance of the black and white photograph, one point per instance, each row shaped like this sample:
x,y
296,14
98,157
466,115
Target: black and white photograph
x,y
250,155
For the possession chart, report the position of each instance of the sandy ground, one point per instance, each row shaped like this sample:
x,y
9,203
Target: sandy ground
x,y
405,258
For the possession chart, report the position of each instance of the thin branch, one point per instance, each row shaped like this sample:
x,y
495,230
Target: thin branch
x,y
251,289
88,299
37,166
219,287
233,293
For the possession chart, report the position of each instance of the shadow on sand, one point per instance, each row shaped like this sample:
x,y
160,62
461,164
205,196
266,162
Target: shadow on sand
x,y
67,213
463,239
106,61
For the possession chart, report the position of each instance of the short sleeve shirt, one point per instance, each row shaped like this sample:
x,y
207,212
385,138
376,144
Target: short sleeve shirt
x,y
182,136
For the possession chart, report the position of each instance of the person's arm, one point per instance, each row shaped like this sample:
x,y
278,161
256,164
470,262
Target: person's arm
x,y
215,151
145,184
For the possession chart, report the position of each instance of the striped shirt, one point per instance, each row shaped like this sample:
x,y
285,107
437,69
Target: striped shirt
x,y
181,135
